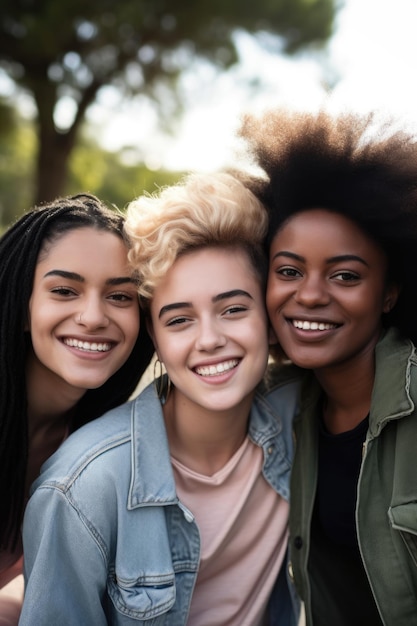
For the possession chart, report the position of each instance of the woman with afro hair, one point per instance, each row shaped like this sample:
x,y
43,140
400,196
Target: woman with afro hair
x,y
341,192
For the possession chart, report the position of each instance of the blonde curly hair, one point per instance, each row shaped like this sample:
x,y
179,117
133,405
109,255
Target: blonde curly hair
x,y
202,210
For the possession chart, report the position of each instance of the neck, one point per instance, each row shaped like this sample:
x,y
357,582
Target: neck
x,y
50,409
49,398
204,440
348,394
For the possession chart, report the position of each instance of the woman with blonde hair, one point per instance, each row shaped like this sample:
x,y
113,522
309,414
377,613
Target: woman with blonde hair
x,y
173,508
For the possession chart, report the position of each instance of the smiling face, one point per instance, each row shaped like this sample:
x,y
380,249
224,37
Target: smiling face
x,y
82,273
210,329
326,289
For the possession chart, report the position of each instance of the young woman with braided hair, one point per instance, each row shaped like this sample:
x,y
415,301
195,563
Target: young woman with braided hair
x,y
70,346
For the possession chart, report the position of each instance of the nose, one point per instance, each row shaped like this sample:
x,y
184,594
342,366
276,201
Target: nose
x,y
312,291
210,335
92,314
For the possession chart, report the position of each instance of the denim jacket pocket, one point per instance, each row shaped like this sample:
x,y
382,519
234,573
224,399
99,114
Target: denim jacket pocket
x,y
141,601
403,518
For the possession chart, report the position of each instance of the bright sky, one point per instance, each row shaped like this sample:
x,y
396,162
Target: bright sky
x,y
373,53
370,64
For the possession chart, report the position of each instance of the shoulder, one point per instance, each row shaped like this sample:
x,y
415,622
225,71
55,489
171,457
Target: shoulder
x,y
277,399
394,345
86,445
281,384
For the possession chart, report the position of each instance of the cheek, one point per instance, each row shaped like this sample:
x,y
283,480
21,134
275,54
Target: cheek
x,y
40,345
263,341
367,304
132,327
262,325
272,300
38,319
161,342
128,319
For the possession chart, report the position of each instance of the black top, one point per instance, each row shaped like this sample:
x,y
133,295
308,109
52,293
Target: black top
x,y
336,571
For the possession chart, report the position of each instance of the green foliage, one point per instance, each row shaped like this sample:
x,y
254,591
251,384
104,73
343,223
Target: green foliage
x,y
104,36
17,150
72,48
104,174
91,169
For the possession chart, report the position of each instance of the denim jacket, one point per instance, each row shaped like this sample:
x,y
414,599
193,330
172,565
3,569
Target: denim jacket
x,y
106,539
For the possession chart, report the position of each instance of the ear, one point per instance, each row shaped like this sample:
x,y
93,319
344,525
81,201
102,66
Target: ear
x,y
390,298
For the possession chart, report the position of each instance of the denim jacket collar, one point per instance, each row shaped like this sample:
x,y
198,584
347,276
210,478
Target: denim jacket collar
x,y
151,456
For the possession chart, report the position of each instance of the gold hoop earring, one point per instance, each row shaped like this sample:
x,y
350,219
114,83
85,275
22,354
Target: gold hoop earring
x,y
161,381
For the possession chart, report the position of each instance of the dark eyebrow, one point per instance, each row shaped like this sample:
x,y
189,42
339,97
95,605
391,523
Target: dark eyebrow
x,y
120,280
218,298
347,257
231,294
64,274
333,259
173,306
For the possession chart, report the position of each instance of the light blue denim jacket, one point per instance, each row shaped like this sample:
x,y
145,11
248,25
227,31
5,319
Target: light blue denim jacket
x,y
106,540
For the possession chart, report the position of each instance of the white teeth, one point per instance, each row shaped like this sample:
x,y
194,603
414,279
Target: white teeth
x,y
304,325
219,368
86,345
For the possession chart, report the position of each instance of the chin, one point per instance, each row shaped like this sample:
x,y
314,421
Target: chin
x,y
85,385
305,362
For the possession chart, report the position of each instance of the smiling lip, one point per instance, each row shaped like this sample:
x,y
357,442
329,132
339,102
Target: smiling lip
x,y
216,369
88,346
313,325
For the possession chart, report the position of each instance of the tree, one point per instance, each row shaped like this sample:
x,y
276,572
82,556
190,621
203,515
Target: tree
x,y
104,174
73,48
92,169
17,149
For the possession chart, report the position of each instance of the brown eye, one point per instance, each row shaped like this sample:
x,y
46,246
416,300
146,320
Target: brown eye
x,y
346,276
288,272
63,291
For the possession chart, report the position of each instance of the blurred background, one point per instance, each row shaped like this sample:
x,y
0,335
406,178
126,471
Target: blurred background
x,y
116,98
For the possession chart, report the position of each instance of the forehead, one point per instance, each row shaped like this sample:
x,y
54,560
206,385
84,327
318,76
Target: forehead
x,y
87,251
210,271
326,231
77,238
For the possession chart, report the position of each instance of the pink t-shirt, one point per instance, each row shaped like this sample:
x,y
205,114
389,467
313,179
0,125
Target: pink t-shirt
x,y
243,530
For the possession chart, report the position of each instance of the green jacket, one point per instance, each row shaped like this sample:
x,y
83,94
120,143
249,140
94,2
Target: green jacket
x,y
386,511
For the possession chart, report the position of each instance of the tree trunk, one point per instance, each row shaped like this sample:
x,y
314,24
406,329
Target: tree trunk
x,y
54,147
52,163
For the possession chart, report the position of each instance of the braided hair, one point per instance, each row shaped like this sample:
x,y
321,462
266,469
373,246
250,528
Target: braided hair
x,y
19,250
